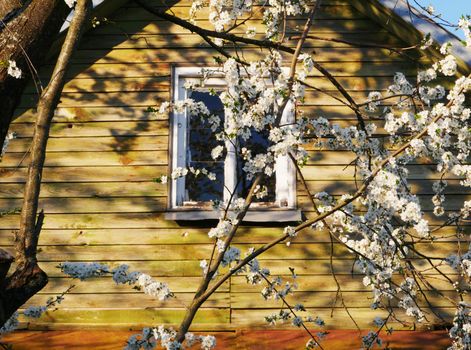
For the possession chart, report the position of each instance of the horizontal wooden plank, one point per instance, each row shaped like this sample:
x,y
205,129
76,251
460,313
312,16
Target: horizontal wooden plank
x,y
150,204
131,300
87,174
91,158
340,187
82,221
154,84
158,252
305,267
139,14
171,41
103,337
160,269
95,205
159,157
336,172
89,114
339,319
343,157
191,234
327,284
146,99
151,189
75,129
330,299
429,216
187,3
126,220
135,252
106,285
119,133
90,189
160,27
160,83
134,114
100,99
136,316
453,202
315,146
79,70
205,58
119,144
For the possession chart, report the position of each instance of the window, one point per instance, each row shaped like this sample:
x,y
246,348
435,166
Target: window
x,y
192,142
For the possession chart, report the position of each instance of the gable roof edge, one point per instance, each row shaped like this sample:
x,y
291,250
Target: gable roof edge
x,y
395,16
106,8
439,34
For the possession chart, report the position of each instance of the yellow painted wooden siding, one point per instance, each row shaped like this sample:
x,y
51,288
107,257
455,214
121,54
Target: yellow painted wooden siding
x,y
101,204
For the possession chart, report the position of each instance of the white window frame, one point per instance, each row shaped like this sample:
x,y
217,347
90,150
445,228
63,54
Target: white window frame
x,y
285,170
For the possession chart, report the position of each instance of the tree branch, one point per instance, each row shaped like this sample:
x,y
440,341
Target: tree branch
x,y
205,33
200,295
28,278
321,217
25,246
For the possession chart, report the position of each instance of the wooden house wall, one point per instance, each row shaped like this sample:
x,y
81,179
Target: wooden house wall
x,y
101,204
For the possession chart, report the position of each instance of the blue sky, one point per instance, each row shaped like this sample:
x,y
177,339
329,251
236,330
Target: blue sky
x,y
450,10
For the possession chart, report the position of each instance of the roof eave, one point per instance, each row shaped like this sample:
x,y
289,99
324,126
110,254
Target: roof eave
x,y
395,16
104,9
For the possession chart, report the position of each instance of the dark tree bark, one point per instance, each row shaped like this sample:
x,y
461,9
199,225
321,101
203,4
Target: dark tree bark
x,y
28,278
27,31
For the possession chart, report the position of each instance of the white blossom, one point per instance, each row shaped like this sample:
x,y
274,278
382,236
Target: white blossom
x,y
217,152
83,271
13,70
153,288
447,66
121,275
34,311
465,25
10,325
251,32
10,136
460,333
163,179
208,342
231,254
221,230
290,231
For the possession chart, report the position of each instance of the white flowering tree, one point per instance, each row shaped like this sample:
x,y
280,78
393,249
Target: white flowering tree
x,y
381,222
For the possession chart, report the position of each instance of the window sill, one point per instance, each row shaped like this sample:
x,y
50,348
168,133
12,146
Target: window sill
x,y
280,215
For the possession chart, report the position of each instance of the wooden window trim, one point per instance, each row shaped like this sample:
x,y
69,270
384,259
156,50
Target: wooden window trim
x,y
284,209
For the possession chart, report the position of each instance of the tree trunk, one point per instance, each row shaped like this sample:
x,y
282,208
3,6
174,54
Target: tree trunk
x,y
28,278
27,31
5,262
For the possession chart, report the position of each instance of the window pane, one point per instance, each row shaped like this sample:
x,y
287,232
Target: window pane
x,y
257,143
201,141
199,188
